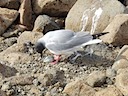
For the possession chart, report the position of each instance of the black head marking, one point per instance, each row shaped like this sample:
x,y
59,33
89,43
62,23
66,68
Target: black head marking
x,y
39,47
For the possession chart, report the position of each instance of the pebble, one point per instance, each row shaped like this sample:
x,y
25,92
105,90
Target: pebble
x,y
10,92
34,71
48,59
110,72
35,82
23,93
6,87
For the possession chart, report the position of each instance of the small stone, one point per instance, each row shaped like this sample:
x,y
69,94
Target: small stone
x,y
35,90
45,79
11,33
48,59
2,93
10,92
58,75
96,78
11,41
110,81
36,82
48,94
18,74
23,93
60,89
34,71
6,87
110,72
6,71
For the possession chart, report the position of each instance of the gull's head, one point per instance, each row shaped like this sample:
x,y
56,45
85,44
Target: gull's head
x,y
39,47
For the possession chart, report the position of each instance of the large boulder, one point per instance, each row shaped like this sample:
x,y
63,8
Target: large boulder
x,y
109,91
118,31
122,81
86,9
15,54
28,36
26,14
121,61
7,17
44,23
53,7
78,88
11,4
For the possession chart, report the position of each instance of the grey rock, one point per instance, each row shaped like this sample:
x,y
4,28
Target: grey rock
x,y
58,75
5,87
51,76
78,88
45,79
35,90
2,93
36,82
75,19
44,24
126,10
14,31
14,54
10,92
28,36
109,91
10,41
6,71
96,78
48,59
117,31
20,80
52,7
26,14
121,59
7,17
110,72
11,4
122,81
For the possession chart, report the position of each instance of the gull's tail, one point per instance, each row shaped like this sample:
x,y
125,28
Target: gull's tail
x,y
99,34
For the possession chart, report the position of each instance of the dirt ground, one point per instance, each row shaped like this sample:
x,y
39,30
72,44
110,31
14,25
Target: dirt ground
x,y
102,58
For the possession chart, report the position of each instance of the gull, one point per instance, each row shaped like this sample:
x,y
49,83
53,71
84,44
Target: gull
x,y
64,42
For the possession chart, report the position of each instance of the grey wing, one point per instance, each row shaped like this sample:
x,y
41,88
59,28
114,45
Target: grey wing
x,y
59,36
75,41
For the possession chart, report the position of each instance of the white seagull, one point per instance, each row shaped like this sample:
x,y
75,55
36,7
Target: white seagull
x,y
64,42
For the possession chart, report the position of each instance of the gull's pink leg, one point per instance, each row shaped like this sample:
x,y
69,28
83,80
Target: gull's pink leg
x,y
56,59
